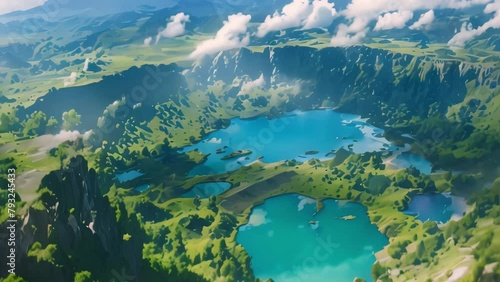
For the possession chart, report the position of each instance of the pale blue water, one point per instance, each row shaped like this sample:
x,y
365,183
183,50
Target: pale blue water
x,y
284,246
205,190
289,137
436,207
142,188
406,160
129,175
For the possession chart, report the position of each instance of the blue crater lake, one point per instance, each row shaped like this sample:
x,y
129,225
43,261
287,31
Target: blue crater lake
x,y
437,207
286,242
297,135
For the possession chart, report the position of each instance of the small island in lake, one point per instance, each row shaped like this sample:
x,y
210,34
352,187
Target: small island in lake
x,y
347,217
236,154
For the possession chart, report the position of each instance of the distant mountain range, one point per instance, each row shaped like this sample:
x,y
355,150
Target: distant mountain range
x,y
55,9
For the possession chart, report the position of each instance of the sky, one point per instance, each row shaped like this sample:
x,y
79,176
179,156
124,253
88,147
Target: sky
x,y
7,6
359,18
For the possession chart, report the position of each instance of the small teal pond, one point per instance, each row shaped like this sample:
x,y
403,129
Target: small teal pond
x,y
298,135
437,207
287,243
205,190
129,175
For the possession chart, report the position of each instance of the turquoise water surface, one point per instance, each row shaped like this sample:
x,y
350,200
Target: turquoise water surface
x,y
297,135
283,238
127,176
287,243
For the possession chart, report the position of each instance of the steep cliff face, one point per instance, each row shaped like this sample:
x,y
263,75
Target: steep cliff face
x,y
73,204
356,79
73,214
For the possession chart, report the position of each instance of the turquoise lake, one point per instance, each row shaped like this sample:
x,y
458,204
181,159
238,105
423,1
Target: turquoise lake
x,y
298,135
285,245
283,238
127,176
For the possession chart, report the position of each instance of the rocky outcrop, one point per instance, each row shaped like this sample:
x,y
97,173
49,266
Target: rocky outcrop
x,y
75,206
72,214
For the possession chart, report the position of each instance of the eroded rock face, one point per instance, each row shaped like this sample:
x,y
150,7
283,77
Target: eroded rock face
x,y
76,202
73,215
356,79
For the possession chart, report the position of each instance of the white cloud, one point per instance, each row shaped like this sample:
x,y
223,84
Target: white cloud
x,y
321,16
257,218
359,24
214,141
70,80
305,201
492,7
86,64
467,33
64,135
424,21
345,38
176,27
112,108
318,13
361,13
233,34
291,15
49,141
87,134
147,41
7,6
250,85
393,20
461,4
372,9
